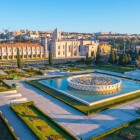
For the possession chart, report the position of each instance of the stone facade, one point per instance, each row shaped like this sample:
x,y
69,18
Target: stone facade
x,y
8,51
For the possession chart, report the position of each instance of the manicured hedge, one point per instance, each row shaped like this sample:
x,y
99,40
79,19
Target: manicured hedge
x,y
9,127
6,86
55,122
114,130
35,130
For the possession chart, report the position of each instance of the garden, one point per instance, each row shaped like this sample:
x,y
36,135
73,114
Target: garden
x,y
17,74
40,124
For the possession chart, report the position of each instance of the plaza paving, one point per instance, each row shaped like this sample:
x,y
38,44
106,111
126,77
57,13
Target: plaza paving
x,y
19,127
76,122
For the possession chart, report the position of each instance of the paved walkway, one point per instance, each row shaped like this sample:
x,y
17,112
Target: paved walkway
x,y
79,124
19,127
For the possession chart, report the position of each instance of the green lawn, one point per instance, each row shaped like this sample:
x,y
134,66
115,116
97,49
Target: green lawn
x,y
113,68
80,106
11,73
5,132
131,130
41,125
73,69
108,67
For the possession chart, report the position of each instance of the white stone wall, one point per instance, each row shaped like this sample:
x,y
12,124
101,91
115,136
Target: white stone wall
x,y
98,88
10,52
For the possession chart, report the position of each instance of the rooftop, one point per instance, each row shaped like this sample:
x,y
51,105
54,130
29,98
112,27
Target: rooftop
x,y
18,44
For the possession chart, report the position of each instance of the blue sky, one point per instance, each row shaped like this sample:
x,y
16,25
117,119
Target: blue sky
x,y
121,16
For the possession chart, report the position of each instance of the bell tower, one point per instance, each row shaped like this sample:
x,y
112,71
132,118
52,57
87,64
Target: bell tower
x,y
57,34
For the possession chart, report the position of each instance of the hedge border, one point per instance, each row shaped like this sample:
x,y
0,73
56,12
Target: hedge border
x,y
10,88
114,130
46,115
9,127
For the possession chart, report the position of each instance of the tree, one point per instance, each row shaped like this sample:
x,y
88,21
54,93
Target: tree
x,y
136,51
112,57
87,56
116,57
139,52
18,59
92,55
50,58
21,39
138,61
129,58
138,57
123,59
88,60
98,55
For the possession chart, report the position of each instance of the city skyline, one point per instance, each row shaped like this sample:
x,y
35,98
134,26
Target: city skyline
x,y
71,16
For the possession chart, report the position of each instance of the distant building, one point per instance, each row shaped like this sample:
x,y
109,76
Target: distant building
x,y
62,45
88,46
8,51
64,48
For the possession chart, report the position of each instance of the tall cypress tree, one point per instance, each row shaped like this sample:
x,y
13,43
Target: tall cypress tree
x,y
18,59
116,57
112,57
139,52
129,58
98,55
50,58
124,59
87,56
92,55
138,58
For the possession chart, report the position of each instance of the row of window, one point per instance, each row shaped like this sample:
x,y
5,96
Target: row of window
x,y
26,49
25,56
75,53
69,47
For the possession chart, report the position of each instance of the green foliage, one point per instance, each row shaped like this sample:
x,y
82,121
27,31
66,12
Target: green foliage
x,y
138,61
138,57
92,55
124,59
41,124
50,58
4,86
112,57
98,55
82,60
139,52
87,55
116,57
88,61
18,59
